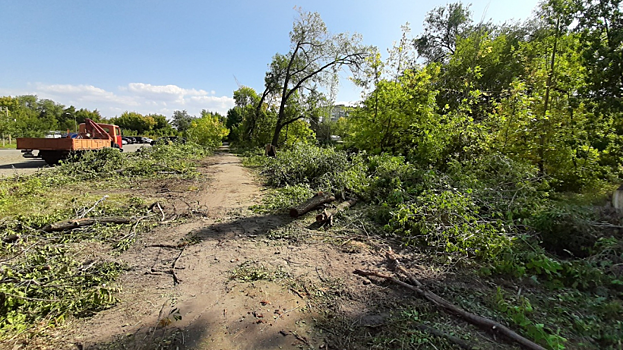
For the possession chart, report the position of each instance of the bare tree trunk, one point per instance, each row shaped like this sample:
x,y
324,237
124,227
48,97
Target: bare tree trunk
x,y
275,140
548,86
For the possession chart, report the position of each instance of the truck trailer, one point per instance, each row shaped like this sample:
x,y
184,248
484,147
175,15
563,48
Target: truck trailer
x,y
91,136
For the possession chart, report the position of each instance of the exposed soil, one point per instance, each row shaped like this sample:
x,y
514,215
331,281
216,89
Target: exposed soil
x,y
267,305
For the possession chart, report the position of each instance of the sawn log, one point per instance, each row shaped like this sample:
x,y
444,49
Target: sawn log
x,y
317,200
327,216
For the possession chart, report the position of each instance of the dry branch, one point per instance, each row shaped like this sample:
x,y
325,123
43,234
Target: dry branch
x,y
482,322
327,216
93,207
317,200
132,233
75,223
161,211
401,268
171,272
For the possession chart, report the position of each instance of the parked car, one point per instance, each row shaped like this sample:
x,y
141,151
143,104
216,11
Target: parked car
x,y
128,140
54,135
124,141
168,139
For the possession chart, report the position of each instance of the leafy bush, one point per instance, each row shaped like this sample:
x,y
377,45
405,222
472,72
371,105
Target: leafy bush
x,y
502,186
394,181
519,315
491,208
207,131
449,221
94,164
304,164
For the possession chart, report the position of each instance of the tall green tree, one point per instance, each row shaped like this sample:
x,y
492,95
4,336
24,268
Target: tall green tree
x,y
600,24
442,27
162,126
135,121
400,117
182,120
208,130
316,56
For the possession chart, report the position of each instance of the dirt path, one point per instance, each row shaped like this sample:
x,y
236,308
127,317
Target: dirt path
x,y
267,306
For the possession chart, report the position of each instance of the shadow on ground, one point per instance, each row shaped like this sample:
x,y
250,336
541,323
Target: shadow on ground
x,y
31,164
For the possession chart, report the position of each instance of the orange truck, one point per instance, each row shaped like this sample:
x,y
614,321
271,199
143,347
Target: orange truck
x,y
91,136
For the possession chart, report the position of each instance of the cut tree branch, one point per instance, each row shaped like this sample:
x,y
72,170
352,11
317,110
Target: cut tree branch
x,y
482,322
75,223
317,200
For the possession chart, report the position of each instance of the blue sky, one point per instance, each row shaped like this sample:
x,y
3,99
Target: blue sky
x,y
157,56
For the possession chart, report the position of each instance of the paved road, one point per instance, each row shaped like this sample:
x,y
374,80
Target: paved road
x,y
12,162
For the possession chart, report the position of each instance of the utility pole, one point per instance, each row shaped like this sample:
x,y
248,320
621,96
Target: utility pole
x,y
6,111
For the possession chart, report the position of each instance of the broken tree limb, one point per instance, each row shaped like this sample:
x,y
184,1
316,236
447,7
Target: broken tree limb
x,y
399,267
482,322
317,200
327,216
75,223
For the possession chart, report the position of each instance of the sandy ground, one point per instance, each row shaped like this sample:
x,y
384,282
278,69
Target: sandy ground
x,y
12,162
218,312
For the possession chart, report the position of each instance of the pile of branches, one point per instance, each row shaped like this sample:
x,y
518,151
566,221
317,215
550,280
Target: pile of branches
x,y
42,281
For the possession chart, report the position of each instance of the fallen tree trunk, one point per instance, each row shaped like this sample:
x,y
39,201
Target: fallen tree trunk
x,y
327,216
314,202
75,223
482,322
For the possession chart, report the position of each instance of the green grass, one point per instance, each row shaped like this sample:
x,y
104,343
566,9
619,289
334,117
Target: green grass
x,y
49,276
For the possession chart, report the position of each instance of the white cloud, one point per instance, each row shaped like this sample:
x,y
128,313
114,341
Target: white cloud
x,y
82,94
164,90
136,97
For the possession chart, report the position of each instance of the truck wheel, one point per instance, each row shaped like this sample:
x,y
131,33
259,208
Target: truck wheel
x,y
51,157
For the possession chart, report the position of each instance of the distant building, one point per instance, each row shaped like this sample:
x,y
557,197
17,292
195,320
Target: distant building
x,y
339,111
